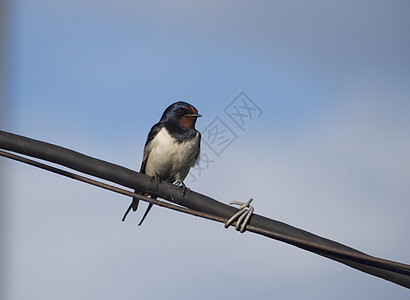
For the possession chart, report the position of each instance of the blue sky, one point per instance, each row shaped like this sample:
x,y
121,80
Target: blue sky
x,y
331,146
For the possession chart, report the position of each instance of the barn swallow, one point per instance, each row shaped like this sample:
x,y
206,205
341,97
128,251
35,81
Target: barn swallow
x,y
171,149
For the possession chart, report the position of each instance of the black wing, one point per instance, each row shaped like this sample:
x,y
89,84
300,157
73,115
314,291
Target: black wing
x,y
147,149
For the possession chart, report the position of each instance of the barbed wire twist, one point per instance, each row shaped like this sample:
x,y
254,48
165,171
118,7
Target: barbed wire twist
x,y
243,215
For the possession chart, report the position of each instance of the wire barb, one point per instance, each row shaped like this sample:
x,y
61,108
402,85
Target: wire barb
x,y
243,215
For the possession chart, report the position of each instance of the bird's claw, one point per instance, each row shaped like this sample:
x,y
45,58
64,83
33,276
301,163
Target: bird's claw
x,y
243,215
157,180
184,188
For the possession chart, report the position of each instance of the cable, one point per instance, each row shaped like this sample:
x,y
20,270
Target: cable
x,y
198,204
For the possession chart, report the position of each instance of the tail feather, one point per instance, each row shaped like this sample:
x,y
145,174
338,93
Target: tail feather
x,y
133,205
145,214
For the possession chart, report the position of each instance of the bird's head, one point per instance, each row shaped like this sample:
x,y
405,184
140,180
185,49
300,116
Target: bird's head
x,y
182,113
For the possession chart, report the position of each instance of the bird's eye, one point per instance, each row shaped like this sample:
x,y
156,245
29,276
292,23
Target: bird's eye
x,y
180,110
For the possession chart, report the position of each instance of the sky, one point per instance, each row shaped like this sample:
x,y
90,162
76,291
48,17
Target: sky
x,y
325,148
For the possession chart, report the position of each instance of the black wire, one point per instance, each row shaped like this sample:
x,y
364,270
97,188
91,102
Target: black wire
x,y
109,187
389,270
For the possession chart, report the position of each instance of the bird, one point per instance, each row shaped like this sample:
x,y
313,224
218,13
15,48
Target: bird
x,y
171,149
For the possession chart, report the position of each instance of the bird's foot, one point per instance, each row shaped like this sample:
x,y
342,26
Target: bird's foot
x,y
184,188
157,180
243,215
157,183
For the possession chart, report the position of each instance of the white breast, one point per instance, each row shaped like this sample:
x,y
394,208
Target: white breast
x,y
169,159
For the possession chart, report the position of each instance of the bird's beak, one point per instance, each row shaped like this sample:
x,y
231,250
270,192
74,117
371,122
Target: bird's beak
x,y
193,115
